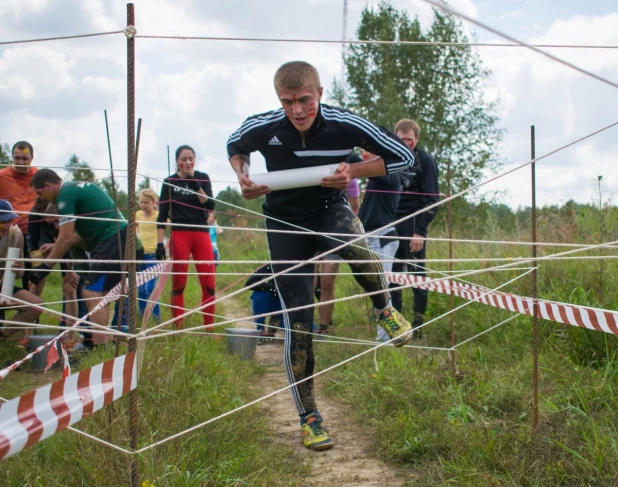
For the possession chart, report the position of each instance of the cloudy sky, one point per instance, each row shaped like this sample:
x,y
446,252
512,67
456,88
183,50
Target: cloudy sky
x,y
197,92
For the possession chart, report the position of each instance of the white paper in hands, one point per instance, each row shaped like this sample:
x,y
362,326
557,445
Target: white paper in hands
x,y
8,282
294,178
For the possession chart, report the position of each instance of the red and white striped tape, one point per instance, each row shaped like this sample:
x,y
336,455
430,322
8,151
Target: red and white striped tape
x,y
582,316
39,414
154,298
112,295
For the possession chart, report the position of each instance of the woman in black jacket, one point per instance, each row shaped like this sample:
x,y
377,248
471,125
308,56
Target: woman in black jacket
x,y
186,199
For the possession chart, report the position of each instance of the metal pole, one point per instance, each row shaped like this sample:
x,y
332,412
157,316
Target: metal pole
x,y
450,268
535,323
131,235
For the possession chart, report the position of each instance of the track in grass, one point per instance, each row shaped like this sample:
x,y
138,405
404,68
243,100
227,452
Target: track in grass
x,y
350,463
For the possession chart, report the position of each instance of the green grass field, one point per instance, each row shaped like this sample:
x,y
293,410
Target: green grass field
x,y
475,430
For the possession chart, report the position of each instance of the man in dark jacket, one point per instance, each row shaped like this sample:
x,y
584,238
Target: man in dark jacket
x,y
419,190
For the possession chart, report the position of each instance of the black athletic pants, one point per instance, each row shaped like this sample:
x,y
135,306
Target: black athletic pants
x,y
297,290
416,265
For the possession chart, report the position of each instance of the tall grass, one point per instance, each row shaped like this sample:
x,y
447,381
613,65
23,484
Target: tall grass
x,y
473,430
185,380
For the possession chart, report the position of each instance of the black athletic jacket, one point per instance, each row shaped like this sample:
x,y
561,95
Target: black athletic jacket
x,y
332,137
182,206
379,206
422,181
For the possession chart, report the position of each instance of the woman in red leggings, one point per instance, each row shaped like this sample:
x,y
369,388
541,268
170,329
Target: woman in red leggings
x,y
186,199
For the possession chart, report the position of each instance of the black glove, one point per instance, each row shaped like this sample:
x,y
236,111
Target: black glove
x,y
193,184
36,275
160,252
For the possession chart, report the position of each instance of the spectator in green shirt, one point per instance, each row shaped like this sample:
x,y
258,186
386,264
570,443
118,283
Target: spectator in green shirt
x,y
105,239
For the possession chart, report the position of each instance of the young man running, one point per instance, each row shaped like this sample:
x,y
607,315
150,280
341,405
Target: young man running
x,y
77,198
306,133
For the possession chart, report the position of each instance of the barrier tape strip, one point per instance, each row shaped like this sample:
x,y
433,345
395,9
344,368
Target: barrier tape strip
x,y
40,413
112,295
53,357
581,316
154,297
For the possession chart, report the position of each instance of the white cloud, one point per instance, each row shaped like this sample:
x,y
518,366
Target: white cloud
x,y
21,9
198,92
563,105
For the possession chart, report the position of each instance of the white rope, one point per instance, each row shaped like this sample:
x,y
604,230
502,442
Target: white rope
x,y
147,334
263,398
35,326
47,303
375,42
325,261
499,242
488,330
336,339
39,307
449,10
377,292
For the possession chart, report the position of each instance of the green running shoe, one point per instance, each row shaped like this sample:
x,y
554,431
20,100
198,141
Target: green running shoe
x,y
314,435
396,326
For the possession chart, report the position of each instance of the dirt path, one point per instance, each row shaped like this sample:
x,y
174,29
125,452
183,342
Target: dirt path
x,y
350,463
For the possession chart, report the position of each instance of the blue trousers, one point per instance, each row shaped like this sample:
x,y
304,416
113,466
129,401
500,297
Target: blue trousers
x,y
145,290
265,302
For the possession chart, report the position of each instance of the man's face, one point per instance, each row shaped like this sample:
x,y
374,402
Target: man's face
x,y
49,192
300,105
22,158
409,138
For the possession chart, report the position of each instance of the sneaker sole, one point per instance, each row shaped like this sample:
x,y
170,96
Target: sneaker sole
x,y
403,339
321,446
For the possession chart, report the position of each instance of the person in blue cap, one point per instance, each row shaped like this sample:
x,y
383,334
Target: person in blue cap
x,y
12,236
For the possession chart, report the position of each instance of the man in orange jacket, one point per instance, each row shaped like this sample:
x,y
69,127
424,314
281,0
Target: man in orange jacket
x,y
15,188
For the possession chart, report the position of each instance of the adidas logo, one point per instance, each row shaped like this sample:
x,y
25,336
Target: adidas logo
x,y
274,141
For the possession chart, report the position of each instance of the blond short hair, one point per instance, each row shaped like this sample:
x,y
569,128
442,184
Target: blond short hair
x,y
405,125
148,193
295,75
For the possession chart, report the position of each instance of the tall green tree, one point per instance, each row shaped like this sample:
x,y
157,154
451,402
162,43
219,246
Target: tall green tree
x,y
442,88
78,170
112,188
231,216
144,184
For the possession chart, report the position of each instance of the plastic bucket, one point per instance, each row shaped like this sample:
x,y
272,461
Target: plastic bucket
x,y
242,341
39,361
